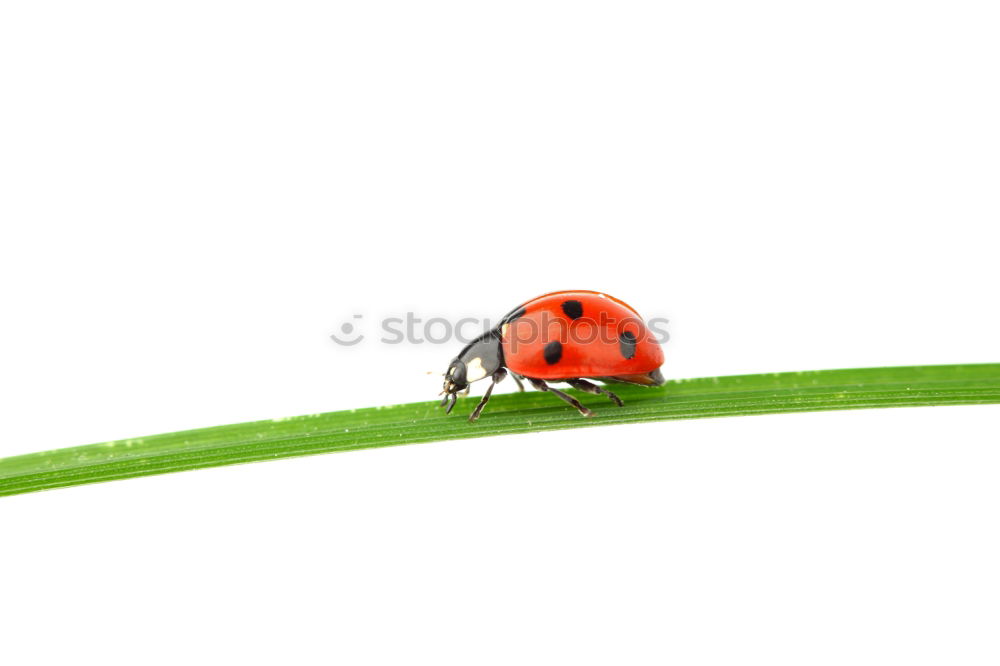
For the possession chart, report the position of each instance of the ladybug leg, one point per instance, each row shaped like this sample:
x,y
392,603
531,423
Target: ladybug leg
x,y
517,380
542,386
497,378
584,385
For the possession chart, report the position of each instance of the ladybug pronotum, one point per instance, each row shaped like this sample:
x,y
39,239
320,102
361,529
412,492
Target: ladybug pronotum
x,y
564,336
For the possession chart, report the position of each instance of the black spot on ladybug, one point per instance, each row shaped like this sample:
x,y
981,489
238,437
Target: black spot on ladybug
x,y
553,352
626,344
573,309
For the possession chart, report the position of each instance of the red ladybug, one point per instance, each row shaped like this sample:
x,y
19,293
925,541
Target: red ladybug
x,y
564,336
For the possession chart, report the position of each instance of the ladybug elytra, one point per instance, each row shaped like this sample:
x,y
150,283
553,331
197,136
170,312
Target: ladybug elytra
x,y
563,336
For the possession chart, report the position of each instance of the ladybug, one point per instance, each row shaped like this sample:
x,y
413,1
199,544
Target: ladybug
x,y
563,336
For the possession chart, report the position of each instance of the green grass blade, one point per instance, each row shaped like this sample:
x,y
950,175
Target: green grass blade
x,y
509,413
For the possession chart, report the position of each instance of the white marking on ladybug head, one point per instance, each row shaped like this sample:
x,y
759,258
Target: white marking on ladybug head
x,y
474,370
503,330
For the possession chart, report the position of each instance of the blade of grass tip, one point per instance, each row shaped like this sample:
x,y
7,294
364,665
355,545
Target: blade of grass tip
x,y
507,414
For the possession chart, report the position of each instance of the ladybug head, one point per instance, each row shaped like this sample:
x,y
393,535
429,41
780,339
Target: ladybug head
x,y
454,381
454,377
480,359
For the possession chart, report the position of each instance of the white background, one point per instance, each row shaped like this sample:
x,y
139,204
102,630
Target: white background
x,y
195,195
